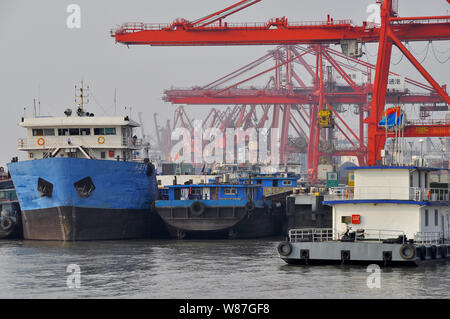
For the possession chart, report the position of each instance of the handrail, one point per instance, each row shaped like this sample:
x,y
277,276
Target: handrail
x,y
311,234
131,27
381,234
390,193
430,237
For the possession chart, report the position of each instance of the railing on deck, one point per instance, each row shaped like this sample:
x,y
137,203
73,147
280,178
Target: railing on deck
x,y
131,142
138,26
310,235
394,193
380,235
430,237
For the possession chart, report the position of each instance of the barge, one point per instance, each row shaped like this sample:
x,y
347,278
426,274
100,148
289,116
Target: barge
x,y
392,216
219,211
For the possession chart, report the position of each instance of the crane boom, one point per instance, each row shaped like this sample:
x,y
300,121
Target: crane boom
x,y
278,31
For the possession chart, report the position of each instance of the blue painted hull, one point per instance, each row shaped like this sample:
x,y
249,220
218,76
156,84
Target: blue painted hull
x,y
117,207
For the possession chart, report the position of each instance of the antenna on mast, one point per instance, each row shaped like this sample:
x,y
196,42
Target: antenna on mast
x,y
81,98
39,100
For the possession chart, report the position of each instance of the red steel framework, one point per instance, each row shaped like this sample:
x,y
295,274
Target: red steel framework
x,y
294,101
211,30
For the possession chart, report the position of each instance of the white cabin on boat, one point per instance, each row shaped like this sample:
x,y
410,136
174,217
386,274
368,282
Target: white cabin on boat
x,y
394,200
104,138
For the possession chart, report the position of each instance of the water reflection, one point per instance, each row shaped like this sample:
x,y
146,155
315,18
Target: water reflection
x,y
196,269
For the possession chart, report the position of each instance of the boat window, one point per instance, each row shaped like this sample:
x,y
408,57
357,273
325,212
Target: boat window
x,y
99,131
197,191
287,182
426,180
105,131
74,131
230,191
49,132
85,131
63,131
436,217
110,131
426,217
38,132
418,174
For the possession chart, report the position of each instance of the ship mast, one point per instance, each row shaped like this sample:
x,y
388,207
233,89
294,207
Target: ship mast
x,y
81,98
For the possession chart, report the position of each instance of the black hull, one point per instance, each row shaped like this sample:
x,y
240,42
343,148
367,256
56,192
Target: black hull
x,y
68,223
221,223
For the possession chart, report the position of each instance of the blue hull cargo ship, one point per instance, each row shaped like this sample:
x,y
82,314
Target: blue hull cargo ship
x,y
82,180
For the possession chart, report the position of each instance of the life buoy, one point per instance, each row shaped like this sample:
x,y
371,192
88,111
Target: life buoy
x,y
40,141
197,209
346,193
407,251
428,194
101,140
284,248
7,223
21,142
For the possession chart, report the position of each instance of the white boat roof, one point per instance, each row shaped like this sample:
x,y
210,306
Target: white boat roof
x,y
78,121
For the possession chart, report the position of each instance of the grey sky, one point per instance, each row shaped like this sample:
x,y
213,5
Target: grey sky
x,y
39,51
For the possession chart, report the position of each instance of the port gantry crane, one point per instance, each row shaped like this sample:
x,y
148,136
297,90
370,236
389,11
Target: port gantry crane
x,y
212,30
287,90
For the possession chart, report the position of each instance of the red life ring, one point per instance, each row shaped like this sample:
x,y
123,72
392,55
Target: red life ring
x,y
40,141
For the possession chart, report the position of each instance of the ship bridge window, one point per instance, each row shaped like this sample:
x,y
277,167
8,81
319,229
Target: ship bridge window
x,y
110,131
230,191
99,131
44,132
74,131
49,132
38,132
105,131
85,131
63,131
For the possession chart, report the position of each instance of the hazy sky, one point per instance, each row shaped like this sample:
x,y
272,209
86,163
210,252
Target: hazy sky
x,y
41,56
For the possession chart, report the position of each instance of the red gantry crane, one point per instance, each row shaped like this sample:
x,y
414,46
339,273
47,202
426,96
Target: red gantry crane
x,y
293,101
212,30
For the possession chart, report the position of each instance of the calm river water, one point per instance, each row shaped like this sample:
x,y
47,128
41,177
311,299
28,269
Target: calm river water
x,y
196,269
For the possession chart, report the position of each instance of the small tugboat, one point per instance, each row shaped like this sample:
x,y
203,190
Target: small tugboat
x,y
216,210
393,215
10,215
82,180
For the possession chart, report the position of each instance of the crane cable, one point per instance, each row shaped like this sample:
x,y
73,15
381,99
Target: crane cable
x,y
425,50
400,60
435,56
